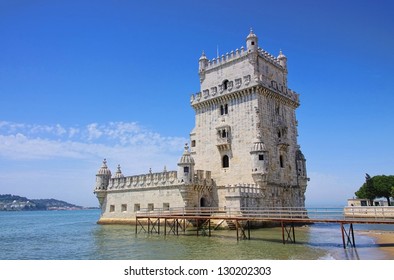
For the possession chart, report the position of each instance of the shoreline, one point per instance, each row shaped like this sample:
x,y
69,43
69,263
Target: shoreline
x,y
384,240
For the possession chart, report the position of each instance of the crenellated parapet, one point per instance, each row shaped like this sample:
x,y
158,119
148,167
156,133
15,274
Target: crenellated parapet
x,y
240,53
150,180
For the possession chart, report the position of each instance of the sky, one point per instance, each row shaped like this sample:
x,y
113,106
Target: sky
x,y
83,80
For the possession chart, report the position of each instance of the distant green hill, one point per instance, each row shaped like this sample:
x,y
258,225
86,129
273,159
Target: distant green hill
x,y
10,202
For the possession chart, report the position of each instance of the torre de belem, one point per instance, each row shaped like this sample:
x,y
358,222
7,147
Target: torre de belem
x,y
243,150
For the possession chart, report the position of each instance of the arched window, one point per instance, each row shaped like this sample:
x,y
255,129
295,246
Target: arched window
x,y
225,161
281,161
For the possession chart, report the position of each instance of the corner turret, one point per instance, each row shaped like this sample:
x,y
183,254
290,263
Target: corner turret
x,y
102,177
186,167
252,42
301,165
282,59
202,65
259,156
202,62
102,180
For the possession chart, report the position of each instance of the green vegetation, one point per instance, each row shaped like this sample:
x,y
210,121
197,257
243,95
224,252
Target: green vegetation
x,y
377,186
10,202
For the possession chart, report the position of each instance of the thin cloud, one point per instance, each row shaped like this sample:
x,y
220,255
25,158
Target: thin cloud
x,y
27,142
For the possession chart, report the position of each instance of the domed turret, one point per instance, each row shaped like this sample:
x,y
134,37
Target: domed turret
x,y
282,59
301,164
251,42
259,156
202,62
102,177
118,173
186,166
104,170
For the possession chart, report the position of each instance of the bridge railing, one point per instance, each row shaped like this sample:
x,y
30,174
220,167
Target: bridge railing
x,y
248,212
375,212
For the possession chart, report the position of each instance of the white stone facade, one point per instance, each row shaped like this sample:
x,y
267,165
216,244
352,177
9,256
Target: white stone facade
x,y
245,138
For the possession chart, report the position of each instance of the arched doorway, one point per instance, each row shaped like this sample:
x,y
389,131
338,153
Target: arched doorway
x,y
203,202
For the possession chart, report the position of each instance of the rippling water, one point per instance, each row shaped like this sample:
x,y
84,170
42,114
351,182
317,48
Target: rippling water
x,y
74,235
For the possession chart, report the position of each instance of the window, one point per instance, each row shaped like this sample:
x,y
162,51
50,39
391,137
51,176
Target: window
x,y
137,207
225,84
225,161
186,169
224,109
193,143
151,207
277,109
124,207
281,161
224,133
261,157
112,208
166,206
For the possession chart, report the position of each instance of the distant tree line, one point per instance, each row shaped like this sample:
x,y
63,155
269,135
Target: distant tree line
x,y
377,186
7,200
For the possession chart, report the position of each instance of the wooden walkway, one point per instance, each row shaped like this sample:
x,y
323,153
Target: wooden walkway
x,y
176,221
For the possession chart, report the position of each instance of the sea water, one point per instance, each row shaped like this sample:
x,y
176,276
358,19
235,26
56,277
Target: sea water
x,y
75,235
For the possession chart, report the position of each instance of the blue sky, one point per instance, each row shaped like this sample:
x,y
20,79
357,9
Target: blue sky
x,y
85,80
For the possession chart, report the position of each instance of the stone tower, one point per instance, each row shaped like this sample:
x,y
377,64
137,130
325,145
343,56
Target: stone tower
x,y
246,129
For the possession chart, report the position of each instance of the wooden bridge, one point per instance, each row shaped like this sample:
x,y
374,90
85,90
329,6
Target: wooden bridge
x,y
176,220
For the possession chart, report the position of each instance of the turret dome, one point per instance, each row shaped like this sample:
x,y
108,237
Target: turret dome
x,y
186,157
251,35
203,56
118,173
104,170
258,146
252,42
281,55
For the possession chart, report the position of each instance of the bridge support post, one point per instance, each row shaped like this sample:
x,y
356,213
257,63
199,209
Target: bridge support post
x,y
348,236
289,230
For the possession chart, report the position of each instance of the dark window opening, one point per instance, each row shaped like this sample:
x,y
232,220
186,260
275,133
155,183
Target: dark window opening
x,y
224,133
224,109
225,84
261,157
193,143
281,161
225,161
252,43
186,169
